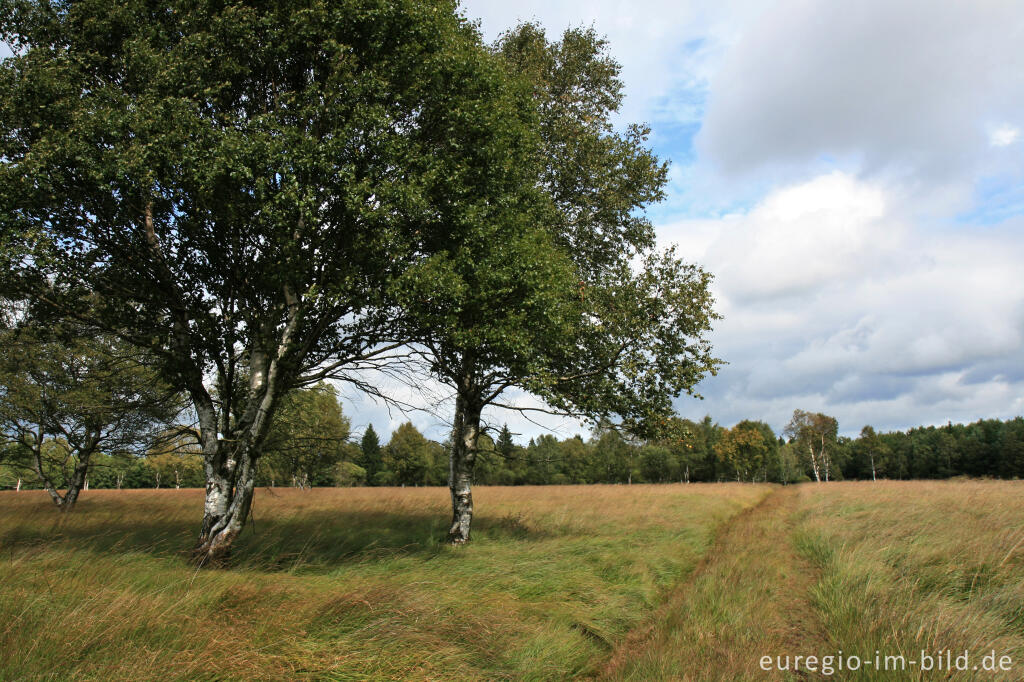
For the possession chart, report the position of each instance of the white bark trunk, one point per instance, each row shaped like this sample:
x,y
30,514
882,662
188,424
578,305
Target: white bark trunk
x,y
465,435
814,463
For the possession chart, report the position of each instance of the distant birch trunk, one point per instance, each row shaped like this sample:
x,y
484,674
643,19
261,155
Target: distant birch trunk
x,y
814,463
77,480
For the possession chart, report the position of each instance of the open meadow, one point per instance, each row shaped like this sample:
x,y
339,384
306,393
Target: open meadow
x,y
617,582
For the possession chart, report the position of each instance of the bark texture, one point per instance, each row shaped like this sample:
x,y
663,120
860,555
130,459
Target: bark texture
x,y
75,481
231,450
465,435
229,495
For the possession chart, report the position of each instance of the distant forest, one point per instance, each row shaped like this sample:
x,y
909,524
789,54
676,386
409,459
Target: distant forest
x,y
312,444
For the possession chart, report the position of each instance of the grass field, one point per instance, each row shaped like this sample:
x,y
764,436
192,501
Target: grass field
x,y
617,582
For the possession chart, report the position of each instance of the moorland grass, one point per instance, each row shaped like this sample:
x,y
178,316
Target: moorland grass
x,y
819,569
919,566
690,582
346,583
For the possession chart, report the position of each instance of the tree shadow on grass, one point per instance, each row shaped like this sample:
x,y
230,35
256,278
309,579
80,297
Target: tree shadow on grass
x,y
308,541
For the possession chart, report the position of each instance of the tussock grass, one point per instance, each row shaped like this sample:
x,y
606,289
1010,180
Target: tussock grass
x,y
346,583
912,566
745,600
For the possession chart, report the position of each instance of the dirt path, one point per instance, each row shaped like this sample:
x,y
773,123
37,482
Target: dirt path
x,y
747,599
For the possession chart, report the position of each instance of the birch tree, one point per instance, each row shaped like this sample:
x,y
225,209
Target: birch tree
x,y
65,398
557,306
815,435
238,183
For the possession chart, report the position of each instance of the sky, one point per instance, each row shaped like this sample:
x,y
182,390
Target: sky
x,y
853,176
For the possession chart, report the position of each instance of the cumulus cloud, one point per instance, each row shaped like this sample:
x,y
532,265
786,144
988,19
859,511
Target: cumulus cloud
x,y
1004,135
913,86
835,302
667,49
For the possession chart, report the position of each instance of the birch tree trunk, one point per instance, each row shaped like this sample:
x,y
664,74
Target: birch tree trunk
x,y
76,481
65,502
814,463
229,493
465,435
230,463
824,458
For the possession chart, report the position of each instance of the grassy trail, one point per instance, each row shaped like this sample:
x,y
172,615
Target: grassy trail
x,y
667,582
749,597
347,584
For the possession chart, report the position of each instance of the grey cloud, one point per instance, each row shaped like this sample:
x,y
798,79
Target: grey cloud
x,y
917,85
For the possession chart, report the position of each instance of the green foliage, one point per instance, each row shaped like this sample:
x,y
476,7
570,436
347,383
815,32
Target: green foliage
x,y
349,474
308,440
748,450
636,335
175,466
369,448
67,397
815,435
240,185
410,459
988,447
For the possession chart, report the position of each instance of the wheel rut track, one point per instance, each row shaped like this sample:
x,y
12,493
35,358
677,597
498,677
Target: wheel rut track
x,y
748,597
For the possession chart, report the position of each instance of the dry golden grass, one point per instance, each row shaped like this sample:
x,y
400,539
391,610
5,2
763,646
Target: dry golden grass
x,y
346,583
746,599
912,566
854,567
629,582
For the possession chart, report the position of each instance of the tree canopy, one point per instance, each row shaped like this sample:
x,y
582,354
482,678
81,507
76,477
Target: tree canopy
x,y
238,183
67,397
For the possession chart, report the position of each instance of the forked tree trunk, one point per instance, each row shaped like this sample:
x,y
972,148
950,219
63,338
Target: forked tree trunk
x,y
231,447
230,485
65,502
465,435
75,483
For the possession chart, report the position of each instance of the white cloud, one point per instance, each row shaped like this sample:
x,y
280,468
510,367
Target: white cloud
x,y
663,46
1004,135
797,239
904,86
834,301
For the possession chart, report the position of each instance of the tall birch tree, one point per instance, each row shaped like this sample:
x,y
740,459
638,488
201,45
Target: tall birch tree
x,y
237,182
575,305
815,434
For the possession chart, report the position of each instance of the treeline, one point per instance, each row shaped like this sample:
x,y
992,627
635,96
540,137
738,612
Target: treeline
x,y
312,444
750,451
